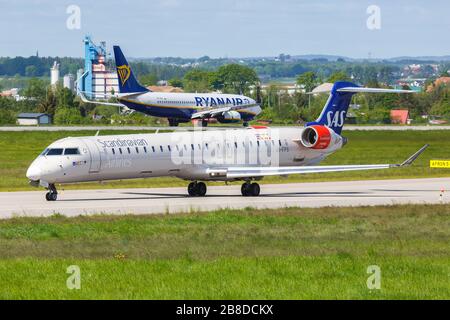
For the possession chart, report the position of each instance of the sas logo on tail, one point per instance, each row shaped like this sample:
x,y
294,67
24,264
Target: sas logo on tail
x,y
336,119
124,73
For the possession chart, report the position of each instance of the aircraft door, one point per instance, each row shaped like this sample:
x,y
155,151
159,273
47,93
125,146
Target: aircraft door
x,y
95,156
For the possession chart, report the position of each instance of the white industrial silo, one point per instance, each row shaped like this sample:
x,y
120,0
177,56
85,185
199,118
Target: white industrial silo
x,y
69,82
54,74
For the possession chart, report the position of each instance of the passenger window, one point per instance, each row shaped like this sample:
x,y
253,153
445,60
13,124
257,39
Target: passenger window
x,y
170,150
55,152
120,150
71,151
129,151
153,149
113,151
161,147
145,149
137,150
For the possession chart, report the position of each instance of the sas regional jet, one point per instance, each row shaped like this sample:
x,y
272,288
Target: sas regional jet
x,y
179,107
242,154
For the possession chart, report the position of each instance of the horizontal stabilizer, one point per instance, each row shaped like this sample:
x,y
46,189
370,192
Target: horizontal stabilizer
x,y
373,90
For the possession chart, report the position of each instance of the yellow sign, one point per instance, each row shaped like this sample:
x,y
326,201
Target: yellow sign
x,y
124,73
440,164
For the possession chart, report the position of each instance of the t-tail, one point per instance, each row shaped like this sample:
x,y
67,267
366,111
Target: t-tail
x,y
127,81
335,111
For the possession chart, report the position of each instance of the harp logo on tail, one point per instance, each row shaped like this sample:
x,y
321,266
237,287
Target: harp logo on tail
x,y
124,73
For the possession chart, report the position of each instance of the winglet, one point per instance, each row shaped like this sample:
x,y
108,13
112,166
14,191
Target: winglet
x,y
412,158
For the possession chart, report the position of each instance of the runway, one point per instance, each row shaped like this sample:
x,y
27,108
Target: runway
x,y
175,200
189,128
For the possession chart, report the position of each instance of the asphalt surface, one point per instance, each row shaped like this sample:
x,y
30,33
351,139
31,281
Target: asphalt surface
x,y
134,128
175,200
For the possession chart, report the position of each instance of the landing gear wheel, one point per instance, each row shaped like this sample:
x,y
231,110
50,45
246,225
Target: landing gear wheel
x,y
204,123
197,189
201,189
52,194
173,122
246,124
255,189
192,188
245,189
250,189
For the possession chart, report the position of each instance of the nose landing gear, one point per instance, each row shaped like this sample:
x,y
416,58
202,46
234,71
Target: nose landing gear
x,y
52,193
250,189
197,189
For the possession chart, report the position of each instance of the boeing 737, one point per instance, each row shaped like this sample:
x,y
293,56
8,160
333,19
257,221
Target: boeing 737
x,y
242,154
179,107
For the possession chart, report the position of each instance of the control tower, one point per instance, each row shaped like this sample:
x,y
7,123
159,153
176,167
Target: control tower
x,y
96,81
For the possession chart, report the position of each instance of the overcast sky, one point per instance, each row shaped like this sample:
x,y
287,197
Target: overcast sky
x,y
232,28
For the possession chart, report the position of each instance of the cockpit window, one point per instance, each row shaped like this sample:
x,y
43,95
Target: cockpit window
x,y
71,151
54,152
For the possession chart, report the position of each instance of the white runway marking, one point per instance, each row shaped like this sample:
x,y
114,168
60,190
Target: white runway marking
x,y
175,200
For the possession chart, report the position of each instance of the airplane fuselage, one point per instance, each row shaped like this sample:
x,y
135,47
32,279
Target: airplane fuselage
x,y
186,155
183,105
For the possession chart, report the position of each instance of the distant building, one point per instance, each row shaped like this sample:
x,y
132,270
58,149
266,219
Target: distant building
x,y
438,82
400,117
96,80
165,89
33,119
69,82
12,93
54,74
323,88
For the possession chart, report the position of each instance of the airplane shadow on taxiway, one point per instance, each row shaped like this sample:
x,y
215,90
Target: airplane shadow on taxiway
x,y
161,196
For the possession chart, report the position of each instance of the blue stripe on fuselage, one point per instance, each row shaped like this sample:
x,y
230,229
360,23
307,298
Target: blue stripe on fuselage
x,y
163,112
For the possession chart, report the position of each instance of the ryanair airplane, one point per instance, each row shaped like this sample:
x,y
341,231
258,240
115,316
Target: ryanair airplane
x,y
179,107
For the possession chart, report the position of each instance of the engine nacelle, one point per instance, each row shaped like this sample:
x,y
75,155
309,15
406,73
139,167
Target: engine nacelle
x,y
229,117
320,137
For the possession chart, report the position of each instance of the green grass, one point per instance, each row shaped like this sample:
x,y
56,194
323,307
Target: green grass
x,y
364,147
287,253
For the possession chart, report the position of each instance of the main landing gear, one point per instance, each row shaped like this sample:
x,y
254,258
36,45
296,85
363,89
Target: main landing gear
x,y
250,189
52,193
197,189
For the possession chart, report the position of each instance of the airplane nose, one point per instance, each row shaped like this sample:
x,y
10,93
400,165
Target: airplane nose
x,y
34,173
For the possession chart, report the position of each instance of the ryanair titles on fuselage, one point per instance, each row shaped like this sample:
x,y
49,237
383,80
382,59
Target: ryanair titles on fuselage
x,y
216,101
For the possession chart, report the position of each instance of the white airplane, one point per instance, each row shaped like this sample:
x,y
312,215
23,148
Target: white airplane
x,y
245,154
178,107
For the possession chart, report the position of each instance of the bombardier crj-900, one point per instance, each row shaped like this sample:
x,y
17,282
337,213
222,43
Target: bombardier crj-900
x,y
179,107
245,154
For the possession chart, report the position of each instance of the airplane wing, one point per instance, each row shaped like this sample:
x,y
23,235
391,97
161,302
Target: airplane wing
x,y
108,96
86,100
212,112
256,172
